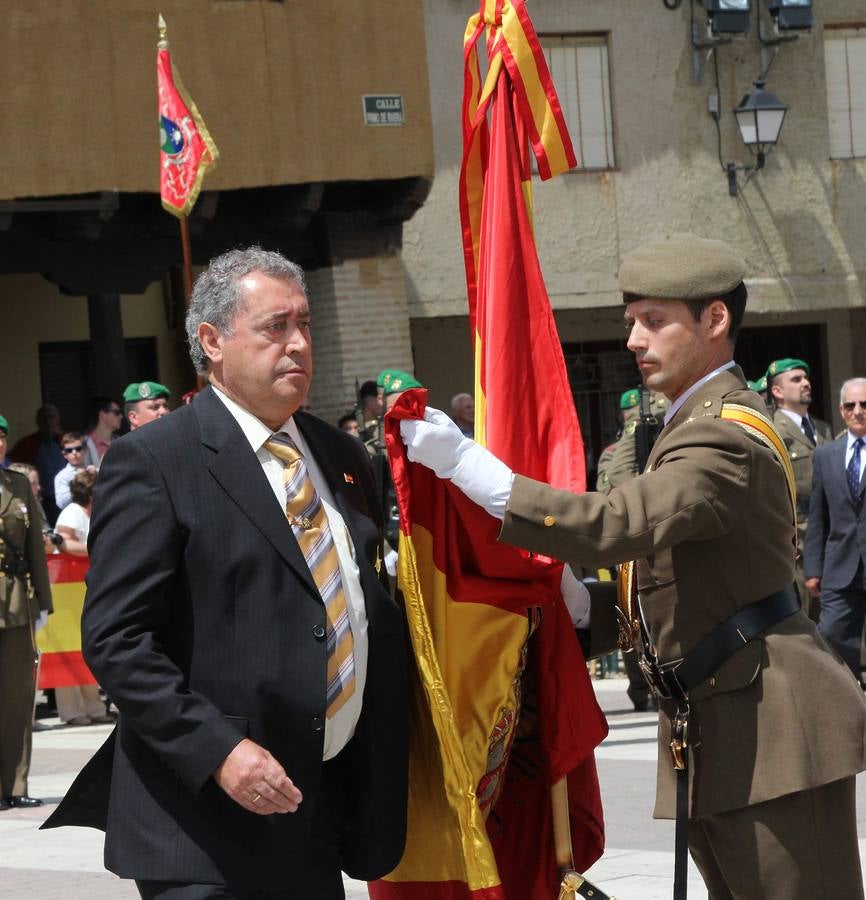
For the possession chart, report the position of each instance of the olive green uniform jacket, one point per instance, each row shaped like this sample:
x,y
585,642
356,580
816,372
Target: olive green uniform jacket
x,y
22,598
711,528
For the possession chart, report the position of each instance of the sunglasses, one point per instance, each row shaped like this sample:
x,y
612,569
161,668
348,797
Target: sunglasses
x,y
78,448
850,405
114,410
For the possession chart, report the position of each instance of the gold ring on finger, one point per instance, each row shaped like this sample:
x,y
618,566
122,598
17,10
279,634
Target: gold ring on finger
x,y
257,798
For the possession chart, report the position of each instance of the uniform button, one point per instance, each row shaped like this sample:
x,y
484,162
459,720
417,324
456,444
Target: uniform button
x,y
712,681
318,724
708,404
549,520
319,632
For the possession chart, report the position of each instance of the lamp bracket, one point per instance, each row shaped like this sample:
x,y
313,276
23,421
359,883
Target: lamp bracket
x,y
703,40
771,40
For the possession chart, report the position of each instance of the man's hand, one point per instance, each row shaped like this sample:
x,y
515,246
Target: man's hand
x,y
253,778
436,442
813,586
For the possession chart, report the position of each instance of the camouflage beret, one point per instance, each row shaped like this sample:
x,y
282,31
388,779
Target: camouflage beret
x,y
392,381
144,390
786,365
683,267
4,424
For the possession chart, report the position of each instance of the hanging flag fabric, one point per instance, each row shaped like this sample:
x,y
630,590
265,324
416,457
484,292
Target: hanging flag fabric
x,y
186,148
59,641
504,707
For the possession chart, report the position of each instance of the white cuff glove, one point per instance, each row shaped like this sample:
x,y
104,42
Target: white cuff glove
x,y
576,598
391,563
439,444
41,621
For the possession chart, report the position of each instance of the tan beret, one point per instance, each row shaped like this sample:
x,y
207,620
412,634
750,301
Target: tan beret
x,y
683,267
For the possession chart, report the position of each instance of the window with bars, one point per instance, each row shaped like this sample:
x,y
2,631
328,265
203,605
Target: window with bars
x,y
580,71
845,66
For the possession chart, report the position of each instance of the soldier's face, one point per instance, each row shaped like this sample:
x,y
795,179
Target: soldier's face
x,y
673,351
792,387
2,444
266,364
147,411
853,409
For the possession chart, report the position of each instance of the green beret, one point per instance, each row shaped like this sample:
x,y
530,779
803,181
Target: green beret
x,y
759,386
392,381
630,399
683,267
4,424
786,365
144,390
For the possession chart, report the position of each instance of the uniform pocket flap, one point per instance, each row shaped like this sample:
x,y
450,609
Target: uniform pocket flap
x,y
737,672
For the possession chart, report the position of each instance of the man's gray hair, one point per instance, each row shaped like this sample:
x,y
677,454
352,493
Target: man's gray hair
x,y
851,382
217,296
457,398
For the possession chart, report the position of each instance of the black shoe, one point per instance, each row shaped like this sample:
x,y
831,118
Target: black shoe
x,y
24,802
4,805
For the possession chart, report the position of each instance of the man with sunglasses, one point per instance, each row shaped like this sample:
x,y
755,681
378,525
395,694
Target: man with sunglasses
x,y
835,562
106,417
75,453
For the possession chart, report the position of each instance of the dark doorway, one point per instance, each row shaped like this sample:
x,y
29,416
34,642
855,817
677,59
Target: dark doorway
x,y
68,379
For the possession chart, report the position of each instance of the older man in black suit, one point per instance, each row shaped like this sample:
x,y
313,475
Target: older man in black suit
x,y
235,615
835,562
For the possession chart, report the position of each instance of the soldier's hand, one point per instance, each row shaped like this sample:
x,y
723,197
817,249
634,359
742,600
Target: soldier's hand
x,y
255,780
813,586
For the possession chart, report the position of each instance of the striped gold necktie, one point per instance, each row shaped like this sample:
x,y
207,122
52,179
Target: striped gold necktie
x,y
309,523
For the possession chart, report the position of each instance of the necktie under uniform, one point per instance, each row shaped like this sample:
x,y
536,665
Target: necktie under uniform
x,y
309,523
809,431
853,471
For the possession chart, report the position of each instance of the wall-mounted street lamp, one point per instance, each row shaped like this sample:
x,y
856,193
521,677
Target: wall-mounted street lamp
x,y
760,117
728,16
791,15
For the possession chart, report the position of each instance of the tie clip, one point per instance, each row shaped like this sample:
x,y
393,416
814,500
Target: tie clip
x,y
304,522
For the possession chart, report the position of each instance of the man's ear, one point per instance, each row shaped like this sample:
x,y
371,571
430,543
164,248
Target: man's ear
x,y
211,340
718,318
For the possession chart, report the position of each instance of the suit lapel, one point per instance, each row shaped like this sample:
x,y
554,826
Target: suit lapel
x,y
239,472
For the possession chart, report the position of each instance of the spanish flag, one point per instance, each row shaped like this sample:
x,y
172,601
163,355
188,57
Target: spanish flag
x,y
61,663
503,704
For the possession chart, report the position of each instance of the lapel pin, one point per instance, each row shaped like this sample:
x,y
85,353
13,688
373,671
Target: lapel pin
x,y
348,478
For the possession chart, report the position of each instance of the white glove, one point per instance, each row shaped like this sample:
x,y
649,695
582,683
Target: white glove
x,y
391,563
439,444
42,621
576,598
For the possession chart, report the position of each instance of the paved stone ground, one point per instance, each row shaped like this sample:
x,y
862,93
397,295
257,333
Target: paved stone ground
x,y
638,864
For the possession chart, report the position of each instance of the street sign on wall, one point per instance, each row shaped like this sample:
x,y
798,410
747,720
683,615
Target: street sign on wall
x,y
383,109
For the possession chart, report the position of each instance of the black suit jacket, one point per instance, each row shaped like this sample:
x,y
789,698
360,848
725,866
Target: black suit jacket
x,y
836,537
200,622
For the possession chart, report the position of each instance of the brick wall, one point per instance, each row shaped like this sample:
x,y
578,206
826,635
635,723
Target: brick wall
x,y
360,326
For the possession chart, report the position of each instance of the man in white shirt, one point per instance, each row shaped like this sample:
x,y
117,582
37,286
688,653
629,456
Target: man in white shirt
x,y
75,453
835,560
236,616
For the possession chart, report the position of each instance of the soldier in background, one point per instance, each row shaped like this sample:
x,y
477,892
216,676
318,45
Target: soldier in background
x,y
790,391
619,462
144,402
25,595
369,411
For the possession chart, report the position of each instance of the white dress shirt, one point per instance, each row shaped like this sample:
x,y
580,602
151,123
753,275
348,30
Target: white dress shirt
x,y
849,452
340,727
678,403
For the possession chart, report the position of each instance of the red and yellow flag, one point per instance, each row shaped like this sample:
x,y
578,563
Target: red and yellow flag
x,y
59,642
186,147
504,707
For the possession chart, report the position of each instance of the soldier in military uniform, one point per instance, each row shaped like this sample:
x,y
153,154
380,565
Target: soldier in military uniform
x,y
144,402
761,727
24,594
618,462
791,393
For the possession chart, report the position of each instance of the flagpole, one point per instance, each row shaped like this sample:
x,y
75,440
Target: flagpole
x,y
187,258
